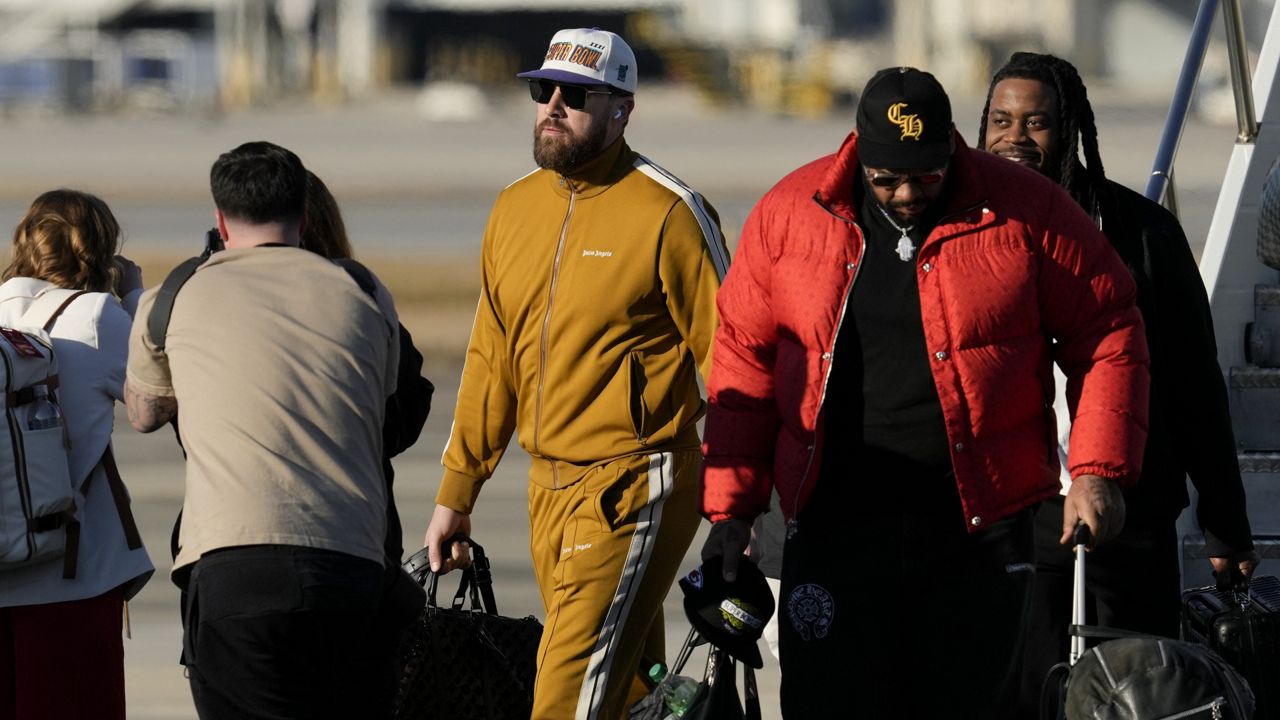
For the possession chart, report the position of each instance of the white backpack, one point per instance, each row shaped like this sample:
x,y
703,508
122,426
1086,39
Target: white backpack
x,y
38,519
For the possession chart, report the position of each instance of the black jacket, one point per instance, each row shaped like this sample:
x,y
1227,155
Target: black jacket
x,y
1190,433
407,411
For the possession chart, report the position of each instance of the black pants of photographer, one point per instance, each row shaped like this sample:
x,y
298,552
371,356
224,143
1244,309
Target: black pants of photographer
x,y
889,608
276,631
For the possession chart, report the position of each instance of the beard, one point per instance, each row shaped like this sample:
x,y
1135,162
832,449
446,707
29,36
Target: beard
x,y
564,154
907,211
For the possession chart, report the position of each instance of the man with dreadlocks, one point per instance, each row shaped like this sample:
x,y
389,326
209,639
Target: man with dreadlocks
x,y
882,361
1038,114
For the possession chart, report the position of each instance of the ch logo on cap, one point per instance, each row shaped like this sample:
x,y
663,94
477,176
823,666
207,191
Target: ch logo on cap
x,y
911,125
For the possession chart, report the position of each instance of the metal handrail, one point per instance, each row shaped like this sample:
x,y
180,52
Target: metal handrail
x,y
1171,196
1161,181
1241,82
1160,186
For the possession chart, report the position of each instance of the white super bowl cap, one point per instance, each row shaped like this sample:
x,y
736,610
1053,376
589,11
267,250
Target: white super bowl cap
x,y
588,56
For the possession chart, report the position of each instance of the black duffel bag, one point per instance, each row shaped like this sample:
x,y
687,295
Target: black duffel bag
x,y
465,661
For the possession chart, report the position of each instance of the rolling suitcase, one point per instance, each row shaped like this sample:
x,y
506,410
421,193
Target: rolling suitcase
x,y
1137,676
1244,628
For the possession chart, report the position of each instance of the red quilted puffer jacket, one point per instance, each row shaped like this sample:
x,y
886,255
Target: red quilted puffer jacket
x,y
1013,262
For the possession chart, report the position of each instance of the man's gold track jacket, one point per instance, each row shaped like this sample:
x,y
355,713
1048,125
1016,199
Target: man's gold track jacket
x,y
597,309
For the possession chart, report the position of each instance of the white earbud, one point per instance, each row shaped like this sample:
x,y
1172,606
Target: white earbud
x,y
617,114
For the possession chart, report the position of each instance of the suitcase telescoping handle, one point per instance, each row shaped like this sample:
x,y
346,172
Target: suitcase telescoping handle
x,y
1079,631
1080,539
1053,689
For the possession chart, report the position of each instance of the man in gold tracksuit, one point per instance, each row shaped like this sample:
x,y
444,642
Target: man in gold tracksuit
x,y
597,310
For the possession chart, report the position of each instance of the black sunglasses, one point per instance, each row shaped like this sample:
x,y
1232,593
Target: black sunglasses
x,y
575,96
890,181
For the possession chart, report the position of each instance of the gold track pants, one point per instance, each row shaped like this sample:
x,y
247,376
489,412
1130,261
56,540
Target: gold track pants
x,y
607,542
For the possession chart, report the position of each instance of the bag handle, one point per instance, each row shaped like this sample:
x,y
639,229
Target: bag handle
x,y
717,657
692,641
751,692
477,579
465,587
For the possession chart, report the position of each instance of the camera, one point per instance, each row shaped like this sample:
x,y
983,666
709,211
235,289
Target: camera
x,y
212,242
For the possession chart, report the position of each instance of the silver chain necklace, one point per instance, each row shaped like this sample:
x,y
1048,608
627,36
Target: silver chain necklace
x,y
906,249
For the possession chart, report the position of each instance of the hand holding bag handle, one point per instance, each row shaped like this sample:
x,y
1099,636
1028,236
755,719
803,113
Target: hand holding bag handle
x,y
477,577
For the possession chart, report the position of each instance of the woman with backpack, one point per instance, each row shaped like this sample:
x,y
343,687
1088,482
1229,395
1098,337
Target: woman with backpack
x,y
61,650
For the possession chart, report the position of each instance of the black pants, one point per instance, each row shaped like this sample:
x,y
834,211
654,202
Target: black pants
x,y
1132,583
898,612
275,631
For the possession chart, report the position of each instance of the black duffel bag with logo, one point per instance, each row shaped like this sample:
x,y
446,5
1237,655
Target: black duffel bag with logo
x,y
465,661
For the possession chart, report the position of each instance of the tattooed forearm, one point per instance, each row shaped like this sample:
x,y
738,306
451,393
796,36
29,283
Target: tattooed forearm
x,y
148,412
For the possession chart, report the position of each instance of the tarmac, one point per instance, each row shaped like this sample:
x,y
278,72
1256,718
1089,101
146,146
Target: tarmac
x,y
418,191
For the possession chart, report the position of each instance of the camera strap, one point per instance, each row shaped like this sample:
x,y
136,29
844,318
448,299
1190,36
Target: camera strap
x,y
158,320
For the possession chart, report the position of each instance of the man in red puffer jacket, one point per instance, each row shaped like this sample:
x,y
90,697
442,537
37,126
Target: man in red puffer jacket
x,y
884,358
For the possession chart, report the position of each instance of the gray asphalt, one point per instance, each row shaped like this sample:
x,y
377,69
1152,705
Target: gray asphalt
x,y
418,189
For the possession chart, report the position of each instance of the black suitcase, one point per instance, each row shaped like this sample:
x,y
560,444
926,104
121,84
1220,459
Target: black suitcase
x,y
1135,675
1244,628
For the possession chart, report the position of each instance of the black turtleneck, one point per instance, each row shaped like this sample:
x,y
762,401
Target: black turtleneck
x,y
883,420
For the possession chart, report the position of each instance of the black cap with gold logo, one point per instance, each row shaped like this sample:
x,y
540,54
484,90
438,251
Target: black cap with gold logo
x,y
904,121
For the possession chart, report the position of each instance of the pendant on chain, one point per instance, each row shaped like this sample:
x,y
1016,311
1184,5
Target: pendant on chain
x,y
906,249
